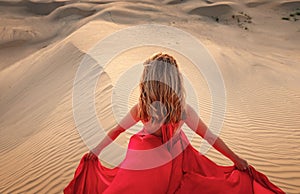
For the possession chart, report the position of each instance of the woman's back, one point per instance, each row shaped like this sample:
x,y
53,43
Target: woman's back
x,y
156,128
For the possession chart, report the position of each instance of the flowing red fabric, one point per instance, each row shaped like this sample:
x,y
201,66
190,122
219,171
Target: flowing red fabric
x,y
186,171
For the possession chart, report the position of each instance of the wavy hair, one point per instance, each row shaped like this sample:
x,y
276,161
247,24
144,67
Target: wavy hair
x,y
162,95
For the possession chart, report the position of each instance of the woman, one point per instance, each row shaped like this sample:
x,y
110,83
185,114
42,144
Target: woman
x,y
176,167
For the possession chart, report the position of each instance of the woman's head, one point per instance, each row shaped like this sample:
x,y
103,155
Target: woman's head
x,y
162,95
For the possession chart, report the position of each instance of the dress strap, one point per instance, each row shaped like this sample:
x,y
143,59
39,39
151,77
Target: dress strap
x,y
168,131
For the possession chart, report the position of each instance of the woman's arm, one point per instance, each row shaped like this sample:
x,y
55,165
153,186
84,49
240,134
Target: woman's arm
x,y
195,123
129,120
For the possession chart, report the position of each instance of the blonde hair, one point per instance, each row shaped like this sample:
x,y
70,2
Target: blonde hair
x,y
162,95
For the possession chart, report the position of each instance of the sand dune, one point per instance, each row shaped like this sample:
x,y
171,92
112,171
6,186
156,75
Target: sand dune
x,y
72,10
27,89
42,7
256,3
15,35
216,9
35,7
291,5
43,42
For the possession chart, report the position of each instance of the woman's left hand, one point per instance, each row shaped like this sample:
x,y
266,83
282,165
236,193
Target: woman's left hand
x,y
241,164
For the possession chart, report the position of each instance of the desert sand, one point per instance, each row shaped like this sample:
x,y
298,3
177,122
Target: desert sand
x,y
42,42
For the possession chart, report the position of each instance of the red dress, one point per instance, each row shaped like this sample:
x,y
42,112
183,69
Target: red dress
x,y
188,172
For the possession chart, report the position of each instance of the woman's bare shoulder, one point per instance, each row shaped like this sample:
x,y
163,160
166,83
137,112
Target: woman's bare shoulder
x,y
135,112
186,110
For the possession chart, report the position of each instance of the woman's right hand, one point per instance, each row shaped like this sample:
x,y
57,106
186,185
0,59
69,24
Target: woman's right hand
x,y
90,155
